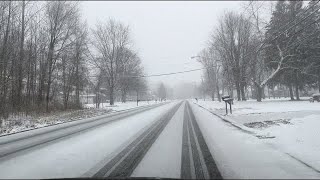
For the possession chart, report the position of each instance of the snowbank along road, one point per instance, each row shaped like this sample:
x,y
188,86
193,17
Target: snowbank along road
x,y
161,140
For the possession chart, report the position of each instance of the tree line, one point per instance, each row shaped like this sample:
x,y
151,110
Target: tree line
x,y
250,51
48,56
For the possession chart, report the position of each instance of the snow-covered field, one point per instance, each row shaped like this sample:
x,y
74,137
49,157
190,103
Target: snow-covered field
x,y
294,124
20,123
118,106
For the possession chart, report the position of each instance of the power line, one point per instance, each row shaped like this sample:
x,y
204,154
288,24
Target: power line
x,y
282,29
297,15
301,40
165,74
261,46
192,70
296,23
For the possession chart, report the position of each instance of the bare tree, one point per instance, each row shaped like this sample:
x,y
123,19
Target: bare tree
x,y
233,42
162,92
131,75
61,18
44,52
4,56
111,39
209,59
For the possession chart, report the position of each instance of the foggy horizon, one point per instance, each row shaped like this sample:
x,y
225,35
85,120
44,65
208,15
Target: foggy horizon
x,y
165,34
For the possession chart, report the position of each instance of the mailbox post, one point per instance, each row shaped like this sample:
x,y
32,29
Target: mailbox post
x,y
229,101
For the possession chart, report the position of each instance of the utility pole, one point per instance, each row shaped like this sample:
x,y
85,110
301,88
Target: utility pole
x,y
137,98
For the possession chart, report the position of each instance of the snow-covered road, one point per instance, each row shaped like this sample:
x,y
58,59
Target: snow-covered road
x,y
173,140
72,155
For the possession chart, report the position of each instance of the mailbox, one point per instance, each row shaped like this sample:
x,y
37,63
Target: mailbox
x,y
228,100
225,97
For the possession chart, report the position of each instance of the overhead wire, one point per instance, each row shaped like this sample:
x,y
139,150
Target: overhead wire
x,y
287,24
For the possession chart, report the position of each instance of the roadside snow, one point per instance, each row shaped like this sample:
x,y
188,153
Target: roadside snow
x,y
300,139
21,123
254,107
118,106
294,124
239,155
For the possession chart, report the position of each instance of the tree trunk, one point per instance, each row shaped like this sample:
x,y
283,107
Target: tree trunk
x,y
285,92
48,92
238,91
50,61
65,102
231,91
137,98
297,85
124,95
223,88
291,92
259,93
242,90
28,83
212,95
19,90
111,96
297,92
41,85
77,86
218,93
273,93
3,66
251,90
64,81
97,100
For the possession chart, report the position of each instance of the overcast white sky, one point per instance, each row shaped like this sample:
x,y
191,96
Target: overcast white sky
x,y
165,34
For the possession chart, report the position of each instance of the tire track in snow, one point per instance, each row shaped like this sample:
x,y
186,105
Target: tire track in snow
x,y
185,155
199,164
124,163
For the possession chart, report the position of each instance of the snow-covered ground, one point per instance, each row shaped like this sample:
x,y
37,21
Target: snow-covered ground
x,y
293,153
20,123
294,124
240,155
118,106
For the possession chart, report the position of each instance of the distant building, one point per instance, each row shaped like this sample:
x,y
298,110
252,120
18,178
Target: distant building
x,y
92,98
87,99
